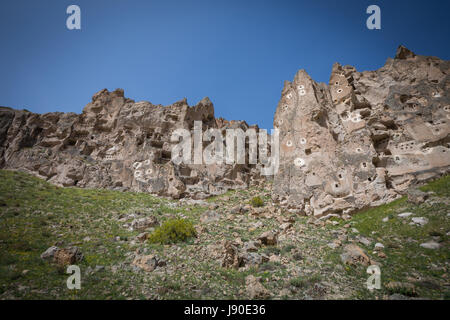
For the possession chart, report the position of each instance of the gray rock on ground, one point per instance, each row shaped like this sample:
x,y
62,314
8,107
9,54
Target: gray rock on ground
x,y
255,289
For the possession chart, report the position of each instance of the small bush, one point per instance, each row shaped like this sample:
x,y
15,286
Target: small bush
x,y
287,249
257,202
300,282
173,230
271,266
271,250
405,289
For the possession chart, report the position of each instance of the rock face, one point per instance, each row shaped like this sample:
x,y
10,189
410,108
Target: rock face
x,y
148,263
353,255
117,143
63,256
364,138
359,141
255,289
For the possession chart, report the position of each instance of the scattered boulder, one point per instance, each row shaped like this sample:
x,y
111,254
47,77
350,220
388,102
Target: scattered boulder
x,y
148,263
354,255
420,221
142,236
90,270
333,245
285,226
255,289
232,258
49,253
363,240
236,209
251,246
416,196
253,258
297,255
430,245
67,256
268,238
144,223
405,214
209,216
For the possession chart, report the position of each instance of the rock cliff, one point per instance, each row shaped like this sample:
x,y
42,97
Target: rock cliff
x,y
364,138
361,140
117,143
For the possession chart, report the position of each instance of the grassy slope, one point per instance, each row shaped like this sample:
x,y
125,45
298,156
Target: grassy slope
x,y
406,261
35,215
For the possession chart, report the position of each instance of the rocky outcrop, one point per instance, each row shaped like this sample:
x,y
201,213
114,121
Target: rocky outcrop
x,y
117,143
364,138
359,141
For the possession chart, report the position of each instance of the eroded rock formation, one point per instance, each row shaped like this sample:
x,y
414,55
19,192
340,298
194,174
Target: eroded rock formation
x,y
363,138
117,143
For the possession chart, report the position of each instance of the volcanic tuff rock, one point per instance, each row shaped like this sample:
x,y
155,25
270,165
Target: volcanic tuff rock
x,y
361,140
119,144
366,137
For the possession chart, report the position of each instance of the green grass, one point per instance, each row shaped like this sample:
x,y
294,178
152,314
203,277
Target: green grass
x,y
406,259
303,282
173,231
35,215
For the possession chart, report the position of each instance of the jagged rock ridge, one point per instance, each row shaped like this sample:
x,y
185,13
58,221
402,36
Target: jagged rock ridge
x,y
365,137
117,143
361,140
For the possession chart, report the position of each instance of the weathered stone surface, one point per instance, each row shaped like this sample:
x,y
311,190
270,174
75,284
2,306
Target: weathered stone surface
x,y
353,255
364,138
268,238
255,289
405,214
67,256
49,253
231,258
209,216
251,246
416,196
433,245
144,223
142,236
117,143
253,258
148,263
420,221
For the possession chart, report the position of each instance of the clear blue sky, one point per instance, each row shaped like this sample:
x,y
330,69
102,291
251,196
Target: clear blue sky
x,y
238,53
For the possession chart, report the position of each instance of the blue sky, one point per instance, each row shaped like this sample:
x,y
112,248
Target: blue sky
x,y
238,53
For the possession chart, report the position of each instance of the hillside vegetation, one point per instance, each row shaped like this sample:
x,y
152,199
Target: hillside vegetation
x,y
304,262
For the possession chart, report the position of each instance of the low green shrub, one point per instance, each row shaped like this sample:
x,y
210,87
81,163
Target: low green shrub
x,y
257,202
172,231
301,282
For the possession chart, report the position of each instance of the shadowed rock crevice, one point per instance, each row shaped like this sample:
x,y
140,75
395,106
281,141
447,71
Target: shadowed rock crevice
x,y
118,143
378,131
359,141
